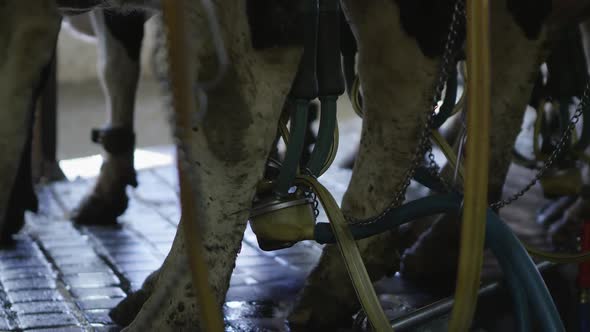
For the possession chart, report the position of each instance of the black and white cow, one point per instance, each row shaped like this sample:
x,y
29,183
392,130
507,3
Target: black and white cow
x,y
119,37
400,42
397,87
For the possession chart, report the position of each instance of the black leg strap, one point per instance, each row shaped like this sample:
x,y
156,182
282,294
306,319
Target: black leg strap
x,y
115,140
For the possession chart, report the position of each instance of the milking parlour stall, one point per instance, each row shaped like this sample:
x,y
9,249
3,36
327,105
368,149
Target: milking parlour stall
x,y
280,165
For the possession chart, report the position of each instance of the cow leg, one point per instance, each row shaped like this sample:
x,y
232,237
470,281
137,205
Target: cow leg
x,y
22,196
563,233
119,40
26,46
397,82
515,63
126,310
229,148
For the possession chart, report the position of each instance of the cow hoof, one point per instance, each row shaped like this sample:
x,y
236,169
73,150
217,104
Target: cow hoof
x,y
108,199
432,260
551,212
97,209
126,311
22,198
14,222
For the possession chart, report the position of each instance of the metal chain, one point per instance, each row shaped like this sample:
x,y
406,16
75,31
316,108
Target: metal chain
x,y
584,103
424,143
315,204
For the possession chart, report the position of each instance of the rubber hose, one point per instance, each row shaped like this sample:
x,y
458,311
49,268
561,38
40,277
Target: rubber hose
x,y
296,142
351,256
519,301
413,210
305,84
512,256
321,150
333,150
473,225
499,238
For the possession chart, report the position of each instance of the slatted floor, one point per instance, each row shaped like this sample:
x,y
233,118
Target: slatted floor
x,y
61,277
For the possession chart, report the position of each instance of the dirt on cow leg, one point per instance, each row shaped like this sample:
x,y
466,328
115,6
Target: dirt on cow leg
x,y
396,86
227,150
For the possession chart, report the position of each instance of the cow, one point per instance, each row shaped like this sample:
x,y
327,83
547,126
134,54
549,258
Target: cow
x,y
397,87
24,29
232,143
119,37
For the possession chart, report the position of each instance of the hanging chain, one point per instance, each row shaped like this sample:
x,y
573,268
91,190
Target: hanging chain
x,y
584,103
309,193
424,143
316,204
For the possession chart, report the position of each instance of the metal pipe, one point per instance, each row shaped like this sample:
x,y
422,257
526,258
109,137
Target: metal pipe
x,y
476,177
